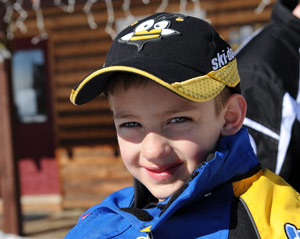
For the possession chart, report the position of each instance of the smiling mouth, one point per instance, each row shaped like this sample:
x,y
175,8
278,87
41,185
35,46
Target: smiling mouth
x,y
162,174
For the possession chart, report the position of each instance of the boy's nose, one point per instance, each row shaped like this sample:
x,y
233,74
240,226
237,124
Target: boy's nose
x,y
155,146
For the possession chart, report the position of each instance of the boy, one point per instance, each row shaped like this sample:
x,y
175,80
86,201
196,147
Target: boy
x,y
173,88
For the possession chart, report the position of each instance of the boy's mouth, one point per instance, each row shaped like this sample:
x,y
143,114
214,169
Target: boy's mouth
x,y
162,173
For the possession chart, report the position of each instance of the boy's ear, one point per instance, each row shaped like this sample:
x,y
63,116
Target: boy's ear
x,y
234,114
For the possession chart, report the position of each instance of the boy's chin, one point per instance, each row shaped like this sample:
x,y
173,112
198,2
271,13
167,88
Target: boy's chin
x,y
162,192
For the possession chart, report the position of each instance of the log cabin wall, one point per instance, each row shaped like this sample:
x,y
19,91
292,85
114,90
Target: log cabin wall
x,y
86,147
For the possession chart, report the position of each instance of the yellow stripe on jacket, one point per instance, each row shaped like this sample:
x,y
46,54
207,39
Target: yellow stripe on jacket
x,y
273,204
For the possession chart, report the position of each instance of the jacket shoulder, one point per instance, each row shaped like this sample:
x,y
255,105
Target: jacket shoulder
x,y
104,220
274,206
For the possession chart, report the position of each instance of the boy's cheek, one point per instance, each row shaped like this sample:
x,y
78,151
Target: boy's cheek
x,y
128,136
127,149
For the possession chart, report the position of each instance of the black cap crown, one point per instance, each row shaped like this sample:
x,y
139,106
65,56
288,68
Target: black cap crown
x,y
182,53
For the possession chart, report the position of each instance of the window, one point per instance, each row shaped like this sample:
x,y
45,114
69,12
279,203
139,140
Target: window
x,y
28,85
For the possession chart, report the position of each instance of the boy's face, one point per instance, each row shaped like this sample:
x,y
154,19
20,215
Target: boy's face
x,y
163,137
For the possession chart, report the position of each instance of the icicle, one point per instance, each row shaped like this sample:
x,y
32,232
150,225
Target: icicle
x,y
66,8
110,19
262,6
17,6
182,6
198,12
9,11
8,19
22,16
36,6
126,9
163,6
4,53
90,17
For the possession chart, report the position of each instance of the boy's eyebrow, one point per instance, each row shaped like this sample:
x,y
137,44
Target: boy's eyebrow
x,y
121,115
180,108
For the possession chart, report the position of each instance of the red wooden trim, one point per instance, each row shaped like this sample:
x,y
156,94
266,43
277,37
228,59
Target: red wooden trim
x,y
12,220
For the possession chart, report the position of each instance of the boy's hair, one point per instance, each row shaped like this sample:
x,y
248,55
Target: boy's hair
x,y
126,80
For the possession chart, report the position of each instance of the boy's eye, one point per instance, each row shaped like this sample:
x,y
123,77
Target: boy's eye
x,y
130,124
179,119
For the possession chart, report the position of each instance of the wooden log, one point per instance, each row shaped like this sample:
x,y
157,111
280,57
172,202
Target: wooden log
x,y
96,186
87,134
86,47
70,79
226,19
84,173
85,120
67,106
84,62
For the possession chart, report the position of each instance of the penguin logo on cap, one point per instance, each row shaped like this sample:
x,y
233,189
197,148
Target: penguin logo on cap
x,y
151,30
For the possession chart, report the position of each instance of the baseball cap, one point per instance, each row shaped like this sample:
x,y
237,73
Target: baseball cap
x,y
182,53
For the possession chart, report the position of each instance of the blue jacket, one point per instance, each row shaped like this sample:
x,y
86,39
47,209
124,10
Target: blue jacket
x,y
207,206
